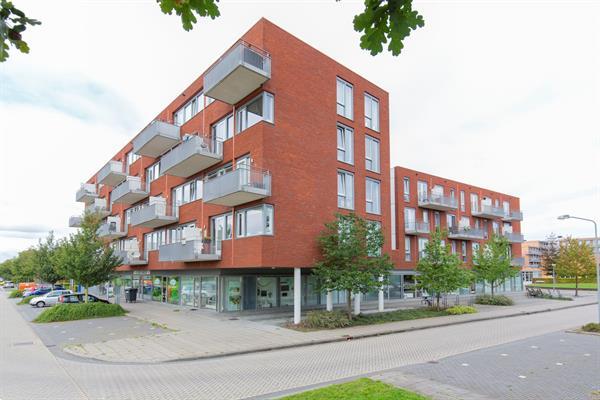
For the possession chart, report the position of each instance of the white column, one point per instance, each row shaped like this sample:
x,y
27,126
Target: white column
x,y
297,294
357,303
329,300
381,295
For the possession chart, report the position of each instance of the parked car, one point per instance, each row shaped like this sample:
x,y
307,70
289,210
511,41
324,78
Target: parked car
x,y
9,285
79,298
48,299
36,292
59,287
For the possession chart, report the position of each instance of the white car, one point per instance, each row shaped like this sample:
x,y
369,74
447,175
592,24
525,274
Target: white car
x,y
48,299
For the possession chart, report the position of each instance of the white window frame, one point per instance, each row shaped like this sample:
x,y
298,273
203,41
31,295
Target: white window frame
x,y
462,201
407,249
371,112
152,174
345,99
229,131
345,189
345,144
406,188
373,196
268,106
268,217
372,152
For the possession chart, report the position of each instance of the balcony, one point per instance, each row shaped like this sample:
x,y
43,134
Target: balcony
x,y
466,233
155,139
97,206
130,191
75,221
513,216
517,261
131,257
112,173
111,229
414,227
438,202
514,237
242,185
242,70
86,193
156,213
191,156
489,212
189,251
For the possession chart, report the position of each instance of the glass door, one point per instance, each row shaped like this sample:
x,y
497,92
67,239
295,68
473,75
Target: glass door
x,y
208,292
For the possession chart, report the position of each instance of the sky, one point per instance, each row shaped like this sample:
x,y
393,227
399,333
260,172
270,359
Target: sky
x,y
499,94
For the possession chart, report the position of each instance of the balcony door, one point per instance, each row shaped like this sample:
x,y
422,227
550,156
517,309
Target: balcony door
x,y
409,217
221,229
422,190
243,164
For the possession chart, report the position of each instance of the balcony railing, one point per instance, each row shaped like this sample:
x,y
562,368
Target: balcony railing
x,y
189,251
75,221
414,227
514,237
155,139
111,229
466,233
97,206
242,185
242,70
488,211
517,261
157,213
130,257
86,193
513,216
112,173
438,202
191,156
130,191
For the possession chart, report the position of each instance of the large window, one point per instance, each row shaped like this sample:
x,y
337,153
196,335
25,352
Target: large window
x,y
186,193
221,228
255,221
422,190
462,200
345,190
152,173
371,112
406,188
344,98
371,154
373,196
422,244
474,202
256,110
223,129
130,158
407,250
191,108
345,148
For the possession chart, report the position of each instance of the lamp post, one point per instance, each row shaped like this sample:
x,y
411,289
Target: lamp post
x,y
596,250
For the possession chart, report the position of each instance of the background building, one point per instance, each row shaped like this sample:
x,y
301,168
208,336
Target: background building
x,y
532,256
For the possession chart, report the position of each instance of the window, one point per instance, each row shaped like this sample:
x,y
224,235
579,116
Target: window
x,y
422,190
345,147
371,112
426,217
462,200
191,108
344,99
223,129
407,252
406,189
474,202
436,219
221,228
409,218
373,196
371,154
186,193
255,221
256,110
452,194
345,190
131,158
475,247
464,250
495,228
465,222
152,173
422,244
453,246
450,220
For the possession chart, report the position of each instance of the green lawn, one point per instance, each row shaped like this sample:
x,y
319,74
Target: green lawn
x,y
361,389
567,285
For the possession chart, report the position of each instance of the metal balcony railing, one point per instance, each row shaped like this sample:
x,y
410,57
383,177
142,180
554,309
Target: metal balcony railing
x,y
130,191
99,206
514,237
513,216
86,193
192,155
75,221
466,233
438,202
157,213
489,211
112,173
111,229
517,261
131,257
414,227
156,138
242,185
189,251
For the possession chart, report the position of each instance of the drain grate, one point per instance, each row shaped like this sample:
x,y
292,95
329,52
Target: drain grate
x,y
22,343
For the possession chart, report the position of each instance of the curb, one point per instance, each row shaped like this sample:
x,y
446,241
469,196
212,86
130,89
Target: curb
x,y
332,340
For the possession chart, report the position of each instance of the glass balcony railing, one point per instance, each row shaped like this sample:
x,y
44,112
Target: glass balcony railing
x,y
414,227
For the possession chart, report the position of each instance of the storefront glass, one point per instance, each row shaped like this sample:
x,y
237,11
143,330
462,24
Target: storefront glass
x,y
409,287
208,292
286,291
187,291
157,292
232,293
394,289
266,292
173,293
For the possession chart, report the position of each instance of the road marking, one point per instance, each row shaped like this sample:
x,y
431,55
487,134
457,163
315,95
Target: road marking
x,y
522,376
534,347
504,355
559,363
464,364
63,331
586,354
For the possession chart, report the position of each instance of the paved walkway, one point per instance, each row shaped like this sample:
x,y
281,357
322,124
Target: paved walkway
x,y
205,334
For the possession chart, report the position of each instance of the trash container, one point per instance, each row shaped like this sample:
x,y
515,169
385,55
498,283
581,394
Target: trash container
x,y
130,295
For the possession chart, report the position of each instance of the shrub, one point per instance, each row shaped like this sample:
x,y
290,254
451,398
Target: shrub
x,y
552,297
71,312
498,300
458,310
326,319
591,327
25,300
15,294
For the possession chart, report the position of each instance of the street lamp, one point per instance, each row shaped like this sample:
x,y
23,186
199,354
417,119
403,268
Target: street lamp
x,y
596,250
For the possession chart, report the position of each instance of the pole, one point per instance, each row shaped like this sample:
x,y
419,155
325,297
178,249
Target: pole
x,y
597,261
297,294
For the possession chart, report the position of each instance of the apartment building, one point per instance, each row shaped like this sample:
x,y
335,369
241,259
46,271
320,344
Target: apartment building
x,y
422,203
532,259
218,201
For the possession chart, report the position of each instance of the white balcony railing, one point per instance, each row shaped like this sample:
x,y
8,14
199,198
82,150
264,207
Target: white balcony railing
x,y
86,193
156,138
130,191
242,185
112,173
192,155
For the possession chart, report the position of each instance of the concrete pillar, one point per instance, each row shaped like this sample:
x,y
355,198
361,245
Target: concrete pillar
x,y
380,295
357,303
329,300
297,294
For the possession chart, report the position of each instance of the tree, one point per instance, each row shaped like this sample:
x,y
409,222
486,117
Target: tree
x,y
351,257
46,270
576,260
549,254
440,271
84,257
23,266
13,23
492,262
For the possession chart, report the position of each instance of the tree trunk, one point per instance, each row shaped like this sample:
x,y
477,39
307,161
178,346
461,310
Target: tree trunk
x,y
577,285
349,303
85,291
492,285
437,298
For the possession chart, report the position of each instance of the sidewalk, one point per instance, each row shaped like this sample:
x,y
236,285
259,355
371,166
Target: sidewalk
x,y
206,334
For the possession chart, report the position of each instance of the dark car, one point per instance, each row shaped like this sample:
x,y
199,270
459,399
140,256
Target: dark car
x,y
59,287
37,292
74,298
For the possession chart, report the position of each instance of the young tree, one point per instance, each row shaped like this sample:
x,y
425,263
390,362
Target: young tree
x,y
575,260
46,271
351,257
492,262
84,257
23,266
549,254
440,270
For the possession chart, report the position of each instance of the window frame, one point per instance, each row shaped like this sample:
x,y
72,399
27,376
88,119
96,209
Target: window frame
x,y
370,144
267,211
345,107
347,195
371,100
373,201
266,105
346,132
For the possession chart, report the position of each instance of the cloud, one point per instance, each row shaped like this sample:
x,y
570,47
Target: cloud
x,y
24,231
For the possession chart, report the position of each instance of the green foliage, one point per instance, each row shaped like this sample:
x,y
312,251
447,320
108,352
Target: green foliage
x,y
326,319
351,257
440,270
575,259
386,20
13,23
489,300
363,389
15,294
549,254
187,10
25,300
591,327
72,312
458,310
492,262
549,296
46,271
